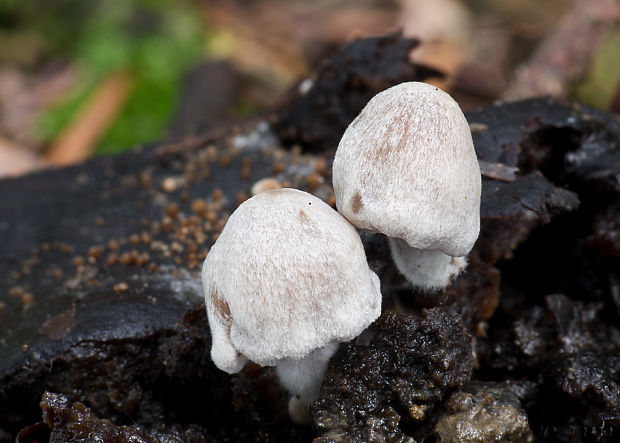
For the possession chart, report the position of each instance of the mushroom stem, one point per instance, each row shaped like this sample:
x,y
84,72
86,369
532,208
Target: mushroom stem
x,y
303,379
430,270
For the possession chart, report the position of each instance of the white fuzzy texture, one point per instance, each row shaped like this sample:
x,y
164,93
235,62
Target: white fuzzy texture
x,y
426,269
287,275
406,167
303,378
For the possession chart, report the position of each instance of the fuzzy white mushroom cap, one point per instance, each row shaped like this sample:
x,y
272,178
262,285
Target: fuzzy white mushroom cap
x,y
406,167
287,275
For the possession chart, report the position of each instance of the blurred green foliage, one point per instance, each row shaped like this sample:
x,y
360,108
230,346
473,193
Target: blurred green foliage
x,y
603,80
156,41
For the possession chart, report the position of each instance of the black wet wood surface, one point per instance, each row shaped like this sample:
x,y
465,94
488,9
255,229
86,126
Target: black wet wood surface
x,y
64,307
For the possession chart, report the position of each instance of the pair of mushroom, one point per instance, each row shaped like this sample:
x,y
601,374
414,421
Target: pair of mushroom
x,y
287,279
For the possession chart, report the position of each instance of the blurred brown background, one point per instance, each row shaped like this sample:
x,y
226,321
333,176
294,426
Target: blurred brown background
x,y
86,78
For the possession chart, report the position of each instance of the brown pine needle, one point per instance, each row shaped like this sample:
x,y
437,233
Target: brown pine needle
x,y
77,141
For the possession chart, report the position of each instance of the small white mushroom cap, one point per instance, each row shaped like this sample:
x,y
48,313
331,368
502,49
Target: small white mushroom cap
x,y
287,275
406,167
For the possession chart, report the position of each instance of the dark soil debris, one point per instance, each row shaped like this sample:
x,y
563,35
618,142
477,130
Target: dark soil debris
x,y
341,87
574,361
484,412
99,301
395,381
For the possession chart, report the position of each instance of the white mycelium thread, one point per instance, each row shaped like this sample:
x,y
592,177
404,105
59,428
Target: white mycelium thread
x,y
406,167
287,276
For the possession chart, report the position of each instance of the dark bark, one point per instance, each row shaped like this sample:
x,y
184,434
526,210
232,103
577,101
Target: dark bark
x,y
100,296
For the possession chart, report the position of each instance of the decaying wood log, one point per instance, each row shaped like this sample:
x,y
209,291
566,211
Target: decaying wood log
x,y
100,300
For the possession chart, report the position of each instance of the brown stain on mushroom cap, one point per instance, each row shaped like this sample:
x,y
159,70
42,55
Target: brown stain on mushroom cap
x,y
356,203
309,225
221,307
384,152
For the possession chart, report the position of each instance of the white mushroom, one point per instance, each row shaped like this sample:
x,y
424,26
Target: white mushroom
x,y
406,167
285,282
